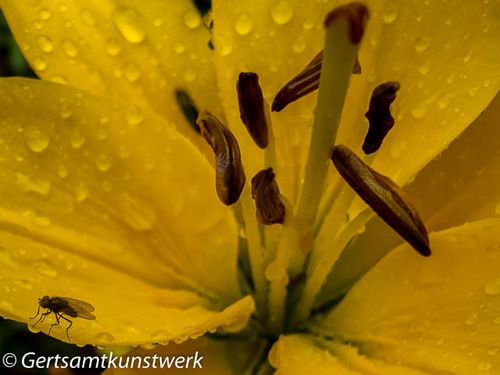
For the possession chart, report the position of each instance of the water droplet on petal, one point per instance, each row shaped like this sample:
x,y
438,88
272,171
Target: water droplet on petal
x,y
243,24
132,72
189,75
484,366
444,101
129,24
419,111
66,114
45,268
282,12
424,68
299,45
178,47
77,140
62,171
81,192
391,12
37,140
45,14
104,338
39,64
113,47
45,44
103,163
38,186
422,45
492,287
88,17
192,19
69,48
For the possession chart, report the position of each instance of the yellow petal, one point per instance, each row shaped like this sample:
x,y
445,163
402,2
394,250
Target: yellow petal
x,y
218,357
121,49
128,311
463,184
445,57
113,184
299,355
437,314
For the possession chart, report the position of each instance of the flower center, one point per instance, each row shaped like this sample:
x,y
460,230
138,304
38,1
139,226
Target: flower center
x,y
281,260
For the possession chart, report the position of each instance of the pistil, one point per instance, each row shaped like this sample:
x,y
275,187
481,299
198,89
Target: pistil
x,y
344,30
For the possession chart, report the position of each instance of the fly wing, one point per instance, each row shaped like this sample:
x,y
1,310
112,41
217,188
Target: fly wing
x,y
81,308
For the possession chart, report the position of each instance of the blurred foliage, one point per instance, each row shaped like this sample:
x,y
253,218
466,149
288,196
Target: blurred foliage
x,y
12,61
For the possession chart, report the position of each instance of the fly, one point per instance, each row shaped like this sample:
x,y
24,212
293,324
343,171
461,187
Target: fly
x,y
72,307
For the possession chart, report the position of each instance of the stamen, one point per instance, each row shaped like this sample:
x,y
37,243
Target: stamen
x,y
188,108
230,176
384,197
266,193
357,17
304,83
253,108
379,115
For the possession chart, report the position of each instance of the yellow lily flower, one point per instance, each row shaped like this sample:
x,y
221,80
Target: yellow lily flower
x,y
108,194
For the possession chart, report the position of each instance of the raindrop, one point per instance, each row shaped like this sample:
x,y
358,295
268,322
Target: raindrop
x,y
81,192
243,24
39,186
45,268
66,113
422,45
492,287
484,366
129,25
45,44
419,111
178,47
113,47
103,163
6,306
192,19
62,171
77,140
37,140
424,68
69,48
45,14
135,117
39,64
282,12
299,45
58,79
391,12
88,17
473,90
132,72
104,338
444,101
189,75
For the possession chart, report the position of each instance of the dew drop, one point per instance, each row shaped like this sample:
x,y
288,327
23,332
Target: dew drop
x,y
444,102
103,163
129,25
243,24
473,90
39,64
419,111
104,338
58,79
135,117
45,268
178,47
38,186
45,44
37,140
62,171
282,12
66,114
484,366
424,68
299,45
189,75
88,17
467,56
422,45
471,319
6,306
69,48
492,287
81,192
77,140
391,12
113,47
45,14
192,19
132,72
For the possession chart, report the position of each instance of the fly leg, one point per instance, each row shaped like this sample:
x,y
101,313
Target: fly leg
x,y
37,312
56,323
70,324
42,317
